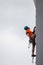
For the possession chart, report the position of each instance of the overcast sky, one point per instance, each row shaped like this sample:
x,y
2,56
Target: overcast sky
x,y
14,15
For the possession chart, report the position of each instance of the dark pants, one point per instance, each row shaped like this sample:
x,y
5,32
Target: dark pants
x,y
33,42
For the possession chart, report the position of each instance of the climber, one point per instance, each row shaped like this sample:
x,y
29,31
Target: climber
x,y
32,36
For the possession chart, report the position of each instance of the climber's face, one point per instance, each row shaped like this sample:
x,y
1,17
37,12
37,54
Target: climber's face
x,y
27,34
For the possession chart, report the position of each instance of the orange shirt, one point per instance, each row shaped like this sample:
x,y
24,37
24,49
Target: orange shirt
x,y
30,32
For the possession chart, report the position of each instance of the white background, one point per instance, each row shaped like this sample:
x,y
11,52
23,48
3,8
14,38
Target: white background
x,y
14,15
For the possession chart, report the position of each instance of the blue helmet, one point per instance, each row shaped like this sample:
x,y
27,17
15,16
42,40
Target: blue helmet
x,y
26,27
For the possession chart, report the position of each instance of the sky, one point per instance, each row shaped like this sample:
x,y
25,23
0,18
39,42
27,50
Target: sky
x,y
14,15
